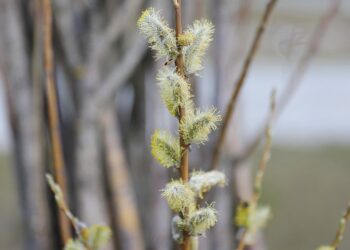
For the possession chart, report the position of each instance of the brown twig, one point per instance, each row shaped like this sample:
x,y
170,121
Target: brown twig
x,y
239,83
341,229
262,166
184,147
296,76
57,154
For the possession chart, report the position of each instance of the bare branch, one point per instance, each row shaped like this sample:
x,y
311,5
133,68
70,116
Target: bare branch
x,y
241,79
57,154
340,233
120,73
296,77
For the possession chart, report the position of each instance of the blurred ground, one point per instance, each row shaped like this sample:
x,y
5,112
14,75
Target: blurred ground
x,y
307,188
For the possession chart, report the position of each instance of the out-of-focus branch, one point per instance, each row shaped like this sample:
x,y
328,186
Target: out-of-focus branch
x,y
53,113
241,79
120,73
296,76
64,17
341,229
123,199
115,28
262,167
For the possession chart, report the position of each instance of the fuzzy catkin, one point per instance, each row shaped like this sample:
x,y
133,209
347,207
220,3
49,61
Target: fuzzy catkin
x,y
165,148
160,37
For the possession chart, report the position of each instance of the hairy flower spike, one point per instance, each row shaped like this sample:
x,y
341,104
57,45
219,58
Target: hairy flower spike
x,y
201,220
175,91
197,126
201,182
165,148
178,195
160,37
202,31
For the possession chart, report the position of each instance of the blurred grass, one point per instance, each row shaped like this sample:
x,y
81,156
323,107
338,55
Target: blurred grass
x,y
307,188
10,222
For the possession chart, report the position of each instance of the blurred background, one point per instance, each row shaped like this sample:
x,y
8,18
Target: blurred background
x,y
109,106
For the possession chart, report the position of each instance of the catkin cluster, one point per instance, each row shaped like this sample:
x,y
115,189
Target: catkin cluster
x,y
194,127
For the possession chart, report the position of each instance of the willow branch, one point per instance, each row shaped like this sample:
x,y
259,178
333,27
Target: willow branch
x,y
240,81
57,154
262,166
341,229
296,77
179,63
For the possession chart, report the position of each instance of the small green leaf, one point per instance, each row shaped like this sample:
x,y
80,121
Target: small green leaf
x,y
96,236
74,245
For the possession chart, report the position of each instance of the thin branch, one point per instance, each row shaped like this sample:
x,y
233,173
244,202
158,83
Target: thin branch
x,y
120,73
341,229
296,77
122,198
179,63
57,154
114,30
241,79
262,167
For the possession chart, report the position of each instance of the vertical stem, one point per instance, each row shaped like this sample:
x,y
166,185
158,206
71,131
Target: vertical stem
x,y
57,154
184,147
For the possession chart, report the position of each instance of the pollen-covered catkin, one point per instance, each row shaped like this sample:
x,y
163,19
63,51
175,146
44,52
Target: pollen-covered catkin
x,y
165,148
160,37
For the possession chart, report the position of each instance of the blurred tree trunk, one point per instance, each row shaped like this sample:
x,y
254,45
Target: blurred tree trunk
x,y
26,124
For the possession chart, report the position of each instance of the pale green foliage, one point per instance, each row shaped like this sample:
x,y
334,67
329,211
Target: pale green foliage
x,y
197,126
201,220
165,148
160,37
252,218
174,90
326,248
201,182
74,245
96,236
91,238
202,31
178,195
